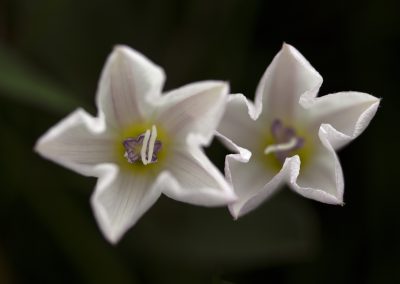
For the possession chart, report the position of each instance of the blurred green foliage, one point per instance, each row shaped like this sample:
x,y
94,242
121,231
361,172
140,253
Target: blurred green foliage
x,y
51,55
21,83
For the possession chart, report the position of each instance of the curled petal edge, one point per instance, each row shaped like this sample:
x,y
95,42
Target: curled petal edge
x,y
319,194
214,190
337,138
290,167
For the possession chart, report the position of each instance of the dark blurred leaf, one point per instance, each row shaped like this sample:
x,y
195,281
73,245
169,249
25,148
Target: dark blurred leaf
x,y
21,82
282,230
5,273
72,228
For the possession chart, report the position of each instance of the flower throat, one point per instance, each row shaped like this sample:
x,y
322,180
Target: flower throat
x,y
286,141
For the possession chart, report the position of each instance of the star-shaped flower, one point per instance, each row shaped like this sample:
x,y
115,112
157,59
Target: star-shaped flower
x,y
142,143
289,135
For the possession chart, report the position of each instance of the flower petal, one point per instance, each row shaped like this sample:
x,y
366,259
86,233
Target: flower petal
x,y
198,181
349,113
322,179
194,109
286,79
77,142
128,82
120,199
253,183
238,123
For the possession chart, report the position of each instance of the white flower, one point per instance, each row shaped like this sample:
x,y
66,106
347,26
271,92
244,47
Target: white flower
x,y
142,143
289,135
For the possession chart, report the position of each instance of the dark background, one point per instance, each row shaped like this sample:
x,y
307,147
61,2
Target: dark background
x,y
51,55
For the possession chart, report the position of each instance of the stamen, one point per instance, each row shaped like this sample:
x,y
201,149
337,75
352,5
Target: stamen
x,y
153,137
144,147
282,147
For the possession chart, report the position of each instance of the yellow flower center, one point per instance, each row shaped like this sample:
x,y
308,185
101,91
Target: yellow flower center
x,y
142,148
282,142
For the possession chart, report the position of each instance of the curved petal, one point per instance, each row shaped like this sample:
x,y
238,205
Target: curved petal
x,y
238,123
78,142
242,155
194,109
127,81
253,183
120,199
349,113
322,180
286,79
198,181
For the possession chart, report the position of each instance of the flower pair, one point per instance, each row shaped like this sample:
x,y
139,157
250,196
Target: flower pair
x,y
142,143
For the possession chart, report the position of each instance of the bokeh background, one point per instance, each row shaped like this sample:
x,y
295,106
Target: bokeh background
x,y
51,55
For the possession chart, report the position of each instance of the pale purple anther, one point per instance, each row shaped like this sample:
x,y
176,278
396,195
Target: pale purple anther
x,y
133,146
283,135
276,128
157,148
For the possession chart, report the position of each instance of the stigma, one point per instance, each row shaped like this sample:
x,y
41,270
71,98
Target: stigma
x,y
144,147
286,141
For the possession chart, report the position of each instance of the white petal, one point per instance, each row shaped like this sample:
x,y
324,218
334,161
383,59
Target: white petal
x,y
322,179
349,113
194,109
253,183
242,155
78,142
120,199
198,181
128,81
286,79
238,124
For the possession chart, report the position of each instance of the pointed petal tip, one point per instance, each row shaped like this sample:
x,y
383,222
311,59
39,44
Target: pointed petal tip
x,y
110,235
223,86
338,201
377,102
328,199
120,52
286,46
120,46
112,239
40,145
121,49
234,213
39,148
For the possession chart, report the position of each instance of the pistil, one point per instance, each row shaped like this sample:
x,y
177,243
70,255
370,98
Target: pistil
x,y
281,147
